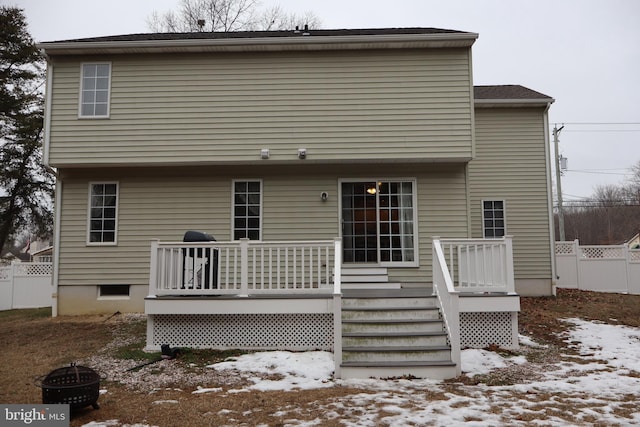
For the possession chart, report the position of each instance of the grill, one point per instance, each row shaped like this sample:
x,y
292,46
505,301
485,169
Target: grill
x,y
77,386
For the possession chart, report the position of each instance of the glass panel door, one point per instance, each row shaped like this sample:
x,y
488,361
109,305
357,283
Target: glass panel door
x,y
396,221
378,222
359,222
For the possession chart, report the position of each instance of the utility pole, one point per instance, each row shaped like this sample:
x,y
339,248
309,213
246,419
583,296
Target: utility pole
x,y
556,132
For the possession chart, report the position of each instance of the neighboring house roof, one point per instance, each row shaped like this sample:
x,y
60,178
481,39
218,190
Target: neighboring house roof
x,y
44,251
373,38
514,95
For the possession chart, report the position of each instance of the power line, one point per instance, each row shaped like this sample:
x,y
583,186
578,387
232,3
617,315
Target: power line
x,y
601,130
600,123
594,171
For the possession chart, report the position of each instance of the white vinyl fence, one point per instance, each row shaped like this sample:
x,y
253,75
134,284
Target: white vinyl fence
x,y
25,285
598,268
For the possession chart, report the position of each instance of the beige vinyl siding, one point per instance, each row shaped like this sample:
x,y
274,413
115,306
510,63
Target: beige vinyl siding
x,y
164,204
510,166
211,108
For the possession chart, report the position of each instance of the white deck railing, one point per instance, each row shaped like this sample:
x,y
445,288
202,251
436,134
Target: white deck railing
x,y
448,300
482,265
245,267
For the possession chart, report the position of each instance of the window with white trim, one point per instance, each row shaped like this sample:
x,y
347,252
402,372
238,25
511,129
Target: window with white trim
x,y
247,209
103,212
94,90
493,218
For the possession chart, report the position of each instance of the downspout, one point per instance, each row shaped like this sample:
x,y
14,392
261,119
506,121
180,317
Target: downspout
x,y
56,247
58,190
547,151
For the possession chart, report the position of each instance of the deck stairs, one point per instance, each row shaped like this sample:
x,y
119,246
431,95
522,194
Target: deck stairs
x,y
393,333
366,278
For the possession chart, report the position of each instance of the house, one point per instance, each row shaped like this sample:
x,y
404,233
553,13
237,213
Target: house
x,y
634,242
324,163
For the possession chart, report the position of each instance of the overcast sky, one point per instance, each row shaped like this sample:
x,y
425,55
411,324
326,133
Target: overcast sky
x,y
583,53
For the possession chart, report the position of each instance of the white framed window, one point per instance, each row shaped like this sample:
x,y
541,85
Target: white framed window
x,y
247,209
102,227
493,219
95,88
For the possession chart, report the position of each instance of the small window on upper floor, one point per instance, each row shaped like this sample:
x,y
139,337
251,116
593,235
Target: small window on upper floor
x,y
493,218
95,87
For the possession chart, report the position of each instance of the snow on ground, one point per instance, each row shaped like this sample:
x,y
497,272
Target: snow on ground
x,y
590,387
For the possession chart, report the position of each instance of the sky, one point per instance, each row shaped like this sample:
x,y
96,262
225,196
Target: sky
x,y
582,53
598,382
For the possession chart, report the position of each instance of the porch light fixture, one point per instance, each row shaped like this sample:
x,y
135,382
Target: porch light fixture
x,y
302,153
264,153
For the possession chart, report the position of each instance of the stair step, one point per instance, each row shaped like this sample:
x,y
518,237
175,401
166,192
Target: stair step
x,y
370,285
391,326
363,271
400,314
396,349
364,278
445,362
389,303
388,293
433,369
388,308
392,334
405,339
399,356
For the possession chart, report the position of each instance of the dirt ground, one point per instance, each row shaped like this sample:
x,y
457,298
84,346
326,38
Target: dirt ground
x,y
33,344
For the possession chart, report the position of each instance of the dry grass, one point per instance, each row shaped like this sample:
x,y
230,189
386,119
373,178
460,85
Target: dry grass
x,y
33,344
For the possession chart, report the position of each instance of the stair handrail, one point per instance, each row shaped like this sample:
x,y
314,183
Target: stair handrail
x,y
448,300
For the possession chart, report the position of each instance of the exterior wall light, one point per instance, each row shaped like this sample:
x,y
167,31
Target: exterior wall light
x,y
302,153
264,153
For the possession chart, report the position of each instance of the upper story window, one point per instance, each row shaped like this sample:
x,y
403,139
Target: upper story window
x,y
94,89
493,218
247,209
103,213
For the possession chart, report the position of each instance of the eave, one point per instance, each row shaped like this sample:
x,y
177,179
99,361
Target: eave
x,y
513,103
261,44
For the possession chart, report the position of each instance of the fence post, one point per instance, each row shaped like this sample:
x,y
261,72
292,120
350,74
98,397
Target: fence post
x,y
627,266
12,283
576,251
244,267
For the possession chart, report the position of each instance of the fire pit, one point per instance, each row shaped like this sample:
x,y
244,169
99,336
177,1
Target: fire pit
x,y
77,386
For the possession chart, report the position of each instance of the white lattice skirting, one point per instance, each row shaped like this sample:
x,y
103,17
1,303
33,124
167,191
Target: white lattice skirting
x,y
479,330
297,332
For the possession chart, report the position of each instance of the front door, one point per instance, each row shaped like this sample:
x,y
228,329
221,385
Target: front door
x,y
378,222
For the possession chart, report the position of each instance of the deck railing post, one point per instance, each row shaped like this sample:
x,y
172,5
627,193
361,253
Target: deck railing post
x,y
337,266
153,268
511,287
244,267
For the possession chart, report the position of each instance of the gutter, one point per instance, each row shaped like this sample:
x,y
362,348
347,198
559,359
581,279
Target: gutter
x,y
519,102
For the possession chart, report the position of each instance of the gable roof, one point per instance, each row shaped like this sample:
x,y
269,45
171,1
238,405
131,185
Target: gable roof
x,y
371,38
511,95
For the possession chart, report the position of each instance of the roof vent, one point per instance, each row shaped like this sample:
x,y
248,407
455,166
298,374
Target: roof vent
x,y
297,30
306,30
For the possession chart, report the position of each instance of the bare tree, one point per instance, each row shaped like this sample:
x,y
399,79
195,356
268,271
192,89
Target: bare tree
x,y
275,18
227,16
